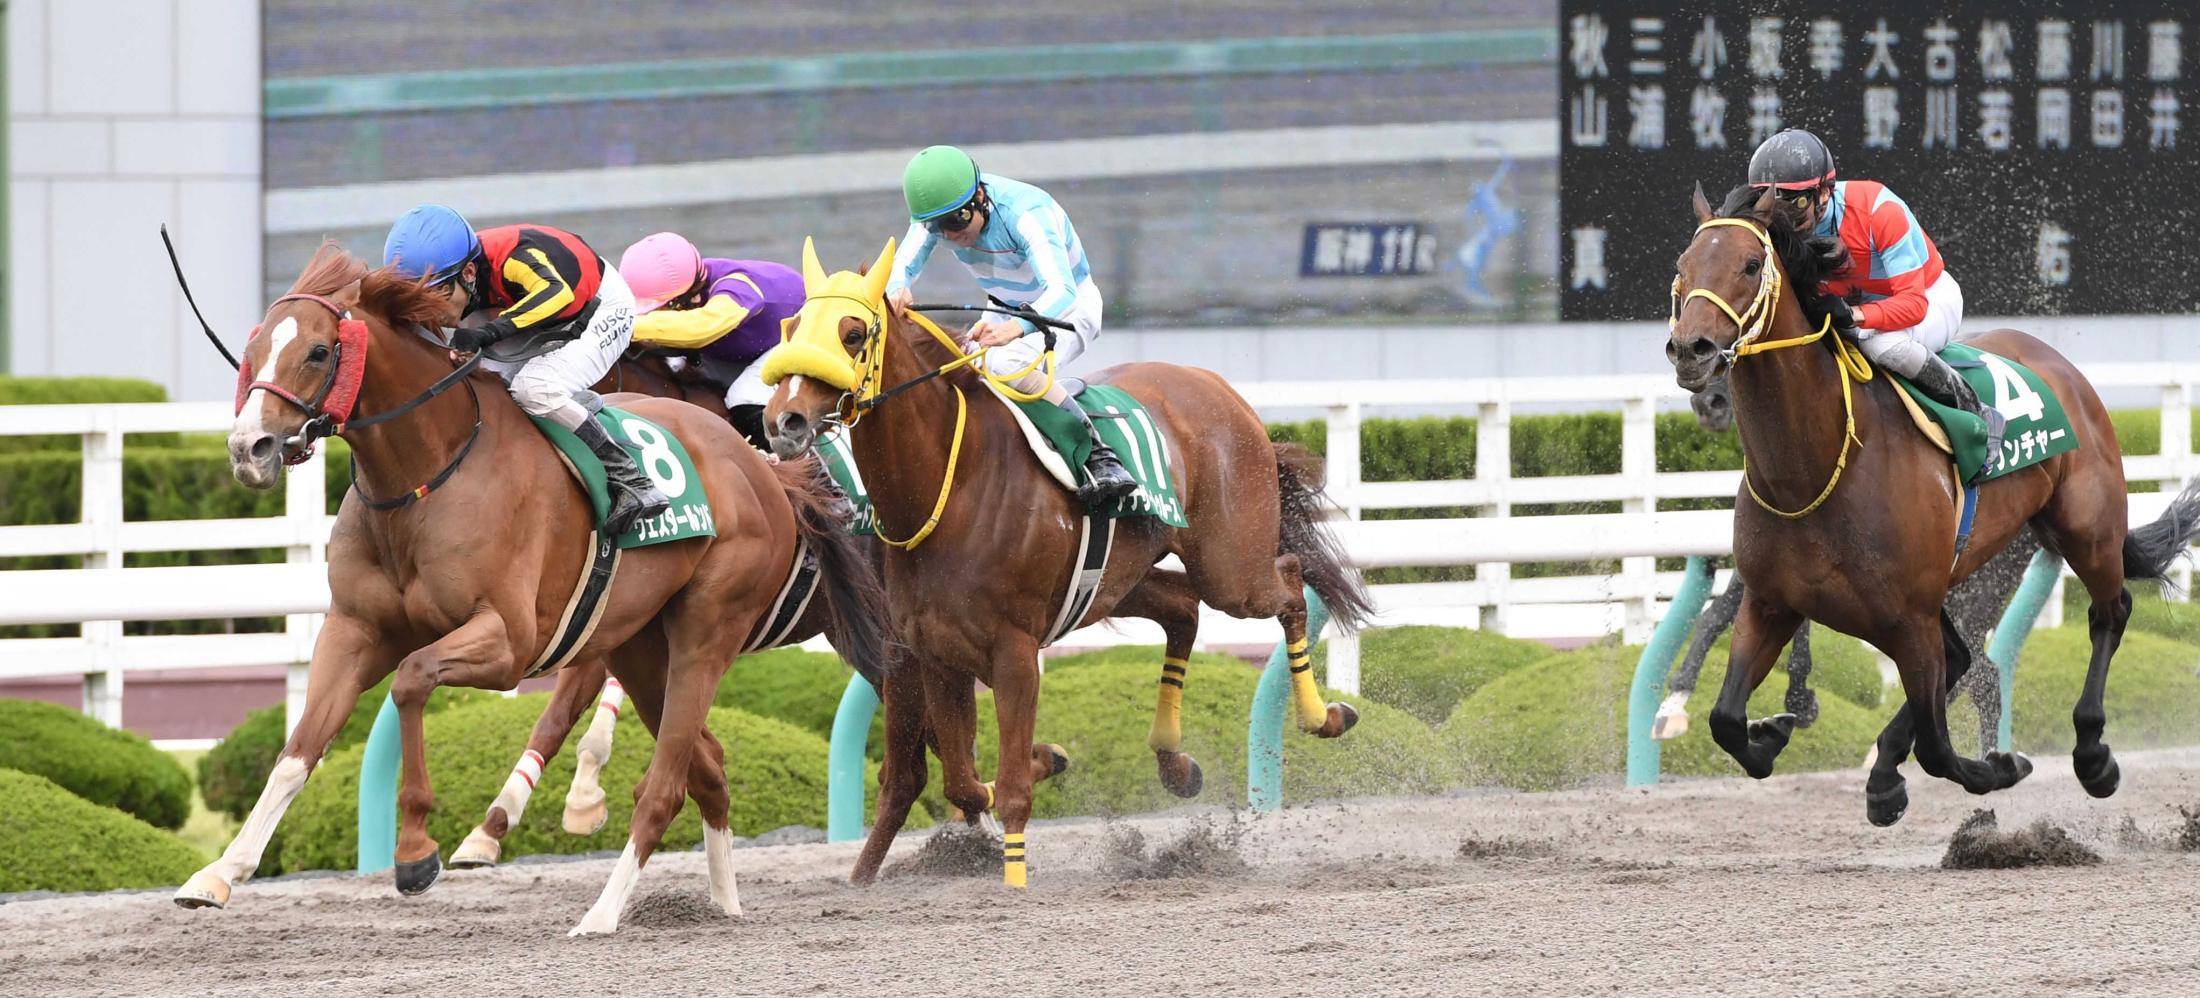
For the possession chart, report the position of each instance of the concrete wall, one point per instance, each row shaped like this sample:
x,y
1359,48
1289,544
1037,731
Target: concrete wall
x,y
122,115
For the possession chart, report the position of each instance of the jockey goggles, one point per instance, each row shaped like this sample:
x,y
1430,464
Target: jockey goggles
x,y
959,219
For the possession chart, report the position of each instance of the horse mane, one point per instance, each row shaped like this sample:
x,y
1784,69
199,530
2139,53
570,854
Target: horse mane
x,y
329,271
1806,257
398,298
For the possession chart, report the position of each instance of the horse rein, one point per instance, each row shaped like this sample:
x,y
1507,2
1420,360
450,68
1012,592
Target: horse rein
x,y
1754,323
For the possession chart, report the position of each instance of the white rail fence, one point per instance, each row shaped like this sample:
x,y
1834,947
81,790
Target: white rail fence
x,y
103,594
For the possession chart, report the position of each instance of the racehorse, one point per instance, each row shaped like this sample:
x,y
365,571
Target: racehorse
x,y
1875,560
1975,604
454,572
989,543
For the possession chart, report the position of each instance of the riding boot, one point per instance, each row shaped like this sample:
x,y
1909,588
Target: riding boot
x,y
1106,481
1944,385
634,496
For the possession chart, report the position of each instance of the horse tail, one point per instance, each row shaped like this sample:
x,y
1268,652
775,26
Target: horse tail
x,y
2151,549
1321,559
855,591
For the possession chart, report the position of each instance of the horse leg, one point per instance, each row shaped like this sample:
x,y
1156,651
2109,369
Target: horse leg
x,y
1930,670
1886,795
1760,629
707,787
901,773
347,659
1016,708
1166,598
1315,718
584,806
478,653
576,683
2095,764
1801,700
1672,718
699,647
952,705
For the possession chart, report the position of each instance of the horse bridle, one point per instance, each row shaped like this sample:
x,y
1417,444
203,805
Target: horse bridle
x,y
320,422
1753,322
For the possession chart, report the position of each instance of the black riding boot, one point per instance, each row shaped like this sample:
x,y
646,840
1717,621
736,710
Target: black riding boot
x,y
1108,481
633,496
1947,387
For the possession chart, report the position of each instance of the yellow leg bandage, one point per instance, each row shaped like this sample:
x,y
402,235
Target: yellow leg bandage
x,y
1012,859
1313,713
1167,730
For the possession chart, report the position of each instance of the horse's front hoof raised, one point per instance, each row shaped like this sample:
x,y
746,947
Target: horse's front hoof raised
x,y
479,850
205,889
2097,769
1340,720
1057,761
1180,773
1885,807
2013,767
415,877
585,812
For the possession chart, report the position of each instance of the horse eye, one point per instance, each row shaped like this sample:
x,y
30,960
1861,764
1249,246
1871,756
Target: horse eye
x,y
1752,267
852,338
318,354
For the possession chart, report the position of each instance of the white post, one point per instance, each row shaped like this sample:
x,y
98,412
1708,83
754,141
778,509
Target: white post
x,y
1638,465
1342,467
2177,447
305,508
1493,465
102,511
1344,661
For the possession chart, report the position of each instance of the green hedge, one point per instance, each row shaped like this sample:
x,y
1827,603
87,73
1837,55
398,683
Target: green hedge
x,y
232,773
1841,665
1562,722
1426,671
100,764
802,688
777,773
1100,713
57,841
2153,698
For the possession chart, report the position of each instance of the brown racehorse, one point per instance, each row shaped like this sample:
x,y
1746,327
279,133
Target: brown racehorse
x,y
987,541
447,571
1874,557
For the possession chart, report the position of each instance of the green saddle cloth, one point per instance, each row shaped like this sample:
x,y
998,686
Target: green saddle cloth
x,y
661,456
2037,426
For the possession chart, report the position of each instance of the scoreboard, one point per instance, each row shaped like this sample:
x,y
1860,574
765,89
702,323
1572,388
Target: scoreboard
x,y
2043,146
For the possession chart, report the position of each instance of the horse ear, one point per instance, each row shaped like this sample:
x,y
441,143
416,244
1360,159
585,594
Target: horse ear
x,y
1703,207
1762,210
881,269
348,294
813,273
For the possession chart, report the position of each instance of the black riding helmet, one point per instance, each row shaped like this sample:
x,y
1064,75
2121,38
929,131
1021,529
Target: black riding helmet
x,y
1793,160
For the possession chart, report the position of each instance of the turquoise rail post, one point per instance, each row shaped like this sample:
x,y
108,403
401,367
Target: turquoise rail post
x,y
844,764
2016,625
1650,670
378,792
1271,704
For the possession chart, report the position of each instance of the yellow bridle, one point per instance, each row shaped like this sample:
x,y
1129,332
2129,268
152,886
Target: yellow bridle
x,y
1755,322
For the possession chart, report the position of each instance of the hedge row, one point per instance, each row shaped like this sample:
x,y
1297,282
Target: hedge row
x,y
232,773
58,841
100,764
777,773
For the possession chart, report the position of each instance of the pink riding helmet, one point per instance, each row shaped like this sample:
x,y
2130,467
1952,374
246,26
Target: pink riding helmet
x,y
660,268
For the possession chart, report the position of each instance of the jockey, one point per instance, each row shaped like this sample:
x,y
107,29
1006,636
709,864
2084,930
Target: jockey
x,y
1020,246
544,281
1910,304
728,310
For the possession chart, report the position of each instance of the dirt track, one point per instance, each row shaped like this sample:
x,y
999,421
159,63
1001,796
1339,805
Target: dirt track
x,y
1722,886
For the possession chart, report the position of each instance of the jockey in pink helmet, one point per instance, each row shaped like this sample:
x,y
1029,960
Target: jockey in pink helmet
x,y
728,311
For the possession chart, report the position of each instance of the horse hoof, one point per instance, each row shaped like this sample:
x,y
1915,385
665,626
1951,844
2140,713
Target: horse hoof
x,y
479,850
1057,761
414,878
583,820
203,890
1181,774
1341,719
2097,769
1666,727
1885,807
2012,767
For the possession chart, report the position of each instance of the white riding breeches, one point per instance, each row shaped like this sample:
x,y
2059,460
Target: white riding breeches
x,y
1905,351
1069,344
749,388
547,386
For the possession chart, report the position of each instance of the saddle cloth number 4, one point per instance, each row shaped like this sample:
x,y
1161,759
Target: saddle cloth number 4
x,y
658,461
2012,396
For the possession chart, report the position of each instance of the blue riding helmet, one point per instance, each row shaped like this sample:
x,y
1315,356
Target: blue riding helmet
x,y
433,241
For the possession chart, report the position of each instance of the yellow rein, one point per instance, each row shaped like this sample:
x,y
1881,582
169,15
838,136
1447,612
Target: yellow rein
x,y
873,369
1851,361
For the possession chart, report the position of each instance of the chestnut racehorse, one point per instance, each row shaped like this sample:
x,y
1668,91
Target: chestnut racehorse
x,y
985,544
1873,556
449,571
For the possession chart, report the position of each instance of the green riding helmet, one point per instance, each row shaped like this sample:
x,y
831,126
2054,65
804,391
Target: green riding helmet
x,y
937,181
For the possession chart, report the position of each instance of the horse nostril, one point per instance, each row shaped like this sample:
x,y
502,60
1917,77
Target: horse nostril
x,y
1672,350
263,448
1702,348
791,422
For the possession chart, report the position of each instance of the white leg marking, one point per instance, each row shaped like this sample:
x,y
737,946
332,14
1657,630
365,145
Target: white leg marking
x,y
604,916
1672,718
584,802
718,853
243,854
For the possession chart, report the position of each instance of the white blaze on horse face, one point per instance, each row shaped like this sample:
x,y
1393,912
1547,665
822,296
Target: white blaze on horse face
x,y
250,423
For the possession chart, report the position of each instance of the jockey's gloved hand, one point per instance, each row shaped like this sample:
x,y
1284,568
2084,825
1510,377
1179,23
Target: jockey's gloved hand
x,y
468,339
1844,319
